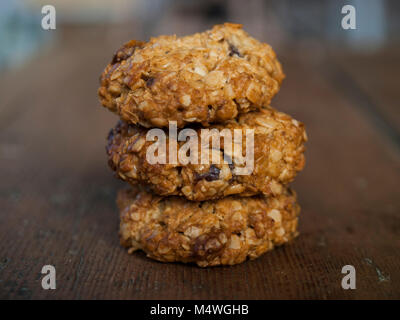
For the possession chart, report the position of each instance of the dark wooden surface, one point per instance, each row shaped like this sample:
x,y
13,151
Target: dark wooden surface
x,y
57,195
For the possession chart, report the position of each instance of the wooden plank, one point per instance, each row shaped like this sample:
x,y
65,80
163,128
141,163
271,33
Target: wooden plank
x,y
57,194
377,76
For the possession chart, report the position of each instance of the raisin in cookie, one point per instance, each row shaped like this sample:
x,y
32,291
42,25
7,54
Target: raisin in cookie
x,y
207,77
210,233
278,157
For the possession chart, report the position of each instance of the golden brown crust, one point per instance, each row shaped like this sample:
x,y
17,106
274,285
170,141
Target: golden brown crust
x,y
206,77
278,157
210,233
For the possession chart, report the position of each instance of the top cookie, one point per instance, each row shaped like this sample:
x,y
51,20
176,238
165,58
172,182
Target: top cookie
x,y
206,77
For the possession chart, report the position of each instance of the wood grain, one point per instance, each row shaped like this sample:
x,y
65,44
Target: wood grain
x,y
57,195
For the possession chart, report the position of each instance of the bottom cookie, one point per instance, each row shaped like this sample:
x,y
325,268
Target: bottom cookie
x,y
208,233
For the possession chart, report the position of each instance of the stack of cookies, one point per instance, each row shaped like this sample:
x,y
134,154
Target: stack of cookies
x,y
218,207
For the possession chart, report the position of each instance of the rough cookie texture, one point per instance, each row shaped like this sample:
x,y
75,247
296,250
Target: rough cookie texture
x,y
278,156
210,233
206,77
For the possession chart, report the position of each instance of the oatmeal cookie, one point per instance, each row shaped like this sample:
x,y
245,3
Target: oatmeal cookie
x,y
207,77
210,233
278,157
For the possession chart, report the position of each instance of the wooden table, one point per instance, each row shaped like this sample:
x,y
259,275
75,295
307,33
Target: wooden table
x,y
57,195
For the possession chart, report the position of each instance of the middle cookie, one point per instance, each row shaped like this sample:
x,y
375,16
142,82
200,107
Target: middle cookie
x,y
258,153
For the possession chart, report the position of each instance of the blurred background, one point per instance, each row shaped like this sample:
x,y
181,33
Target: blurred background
x,y
281,23
58,194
